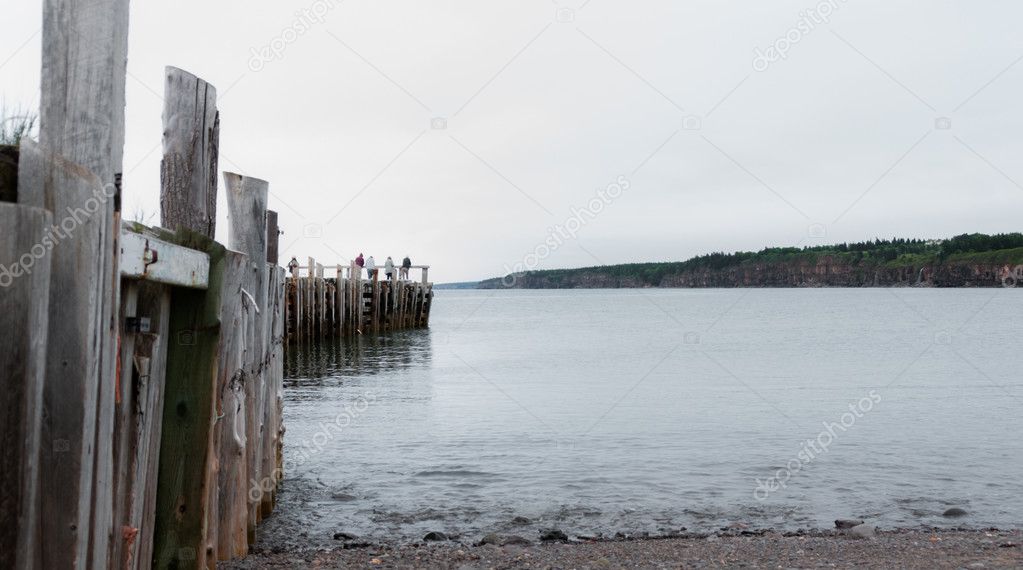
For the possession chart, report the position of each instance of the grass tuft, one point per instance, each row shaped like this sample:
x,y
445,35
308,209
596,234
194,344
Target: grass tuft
x,y
16,124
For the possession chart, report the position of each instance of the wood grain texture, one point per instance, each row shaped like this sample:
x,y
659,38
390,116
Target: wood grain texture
x,y
191,140
73,364
151,364
124,441
229,430
34,165
82,120
246,203
274,398
24,301
188,415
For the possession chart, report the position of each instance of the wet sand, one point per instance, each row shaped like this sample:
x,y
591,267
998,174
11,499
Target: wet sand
x,y
924,549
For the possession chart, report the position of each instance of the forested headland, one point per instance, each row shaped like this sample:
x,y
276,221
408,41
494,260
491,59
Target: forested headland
x,y
968,260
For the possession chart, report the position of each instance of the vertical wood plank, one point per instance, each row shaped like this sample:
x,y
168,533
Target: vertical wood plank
x,y
124,424
246,202
229,430
150,366
188,415
73,365
274,395
82,119
24,309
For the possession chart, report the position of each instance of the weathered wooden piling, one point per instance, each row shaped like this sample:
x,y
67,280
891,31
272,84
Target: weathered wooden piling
x,y
142,423
23,310
246,202
348,304
188,415
191,142
142,417
81,123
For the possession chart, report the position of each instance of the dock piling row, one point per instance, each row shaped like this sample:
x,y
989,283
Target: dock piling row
x,y
349,304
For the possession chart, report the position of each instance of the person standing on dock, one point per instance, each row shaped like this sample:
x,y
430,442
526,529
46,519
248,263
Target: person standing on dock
x,y
389,268
293,266
371,267
360,261
406,264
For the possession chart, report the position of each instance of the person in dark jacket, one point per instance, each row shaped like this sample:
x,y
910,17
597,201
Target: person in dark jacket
x,y
406,264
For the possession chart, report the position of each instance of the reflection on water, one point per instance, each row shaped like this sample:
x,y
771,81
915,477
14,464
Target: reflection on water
x,y
330,360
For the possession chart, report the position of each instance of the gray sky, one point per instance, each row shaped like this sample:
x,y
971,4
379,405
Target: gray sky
x,y
546,102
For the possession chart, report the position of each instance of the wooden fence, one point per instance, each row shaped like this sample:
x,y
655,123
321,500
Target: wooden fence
x,y
349,304
142,374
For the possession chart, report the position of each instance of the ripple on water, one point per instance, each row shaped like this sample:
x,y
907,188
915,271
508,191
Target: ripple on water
x,y
457,474
439,448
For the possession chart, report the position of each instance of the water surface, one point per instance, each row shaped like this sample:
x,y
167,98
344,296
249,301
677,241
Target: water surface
x,y
651,410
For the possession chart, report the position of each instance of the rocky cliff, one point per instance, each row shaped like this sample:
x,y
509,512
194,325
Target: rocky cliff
x,y
823,271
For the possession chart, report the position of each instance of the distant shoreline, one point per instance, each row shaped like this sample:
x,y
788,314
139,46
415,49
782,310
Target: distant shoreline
x,y
477,286
968,260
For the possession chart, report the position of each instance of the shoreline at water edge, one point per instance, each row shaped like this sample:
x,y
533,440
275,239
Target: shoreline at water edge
x,y
901,548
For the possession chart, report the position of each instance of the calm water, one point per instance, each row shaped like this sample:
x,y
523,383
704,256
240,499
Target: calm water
x,y
632,411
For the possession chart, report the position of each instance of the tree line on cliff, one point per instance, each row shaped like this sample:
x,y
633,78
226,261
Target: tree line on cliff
x,y
906,258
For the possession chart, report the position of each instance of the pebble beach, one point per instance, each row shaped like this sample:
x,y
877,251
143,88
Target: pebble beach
x,y
918,548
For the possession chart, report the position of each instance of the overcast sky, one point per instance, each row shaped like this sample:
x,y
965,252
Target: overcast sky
x,y
463,133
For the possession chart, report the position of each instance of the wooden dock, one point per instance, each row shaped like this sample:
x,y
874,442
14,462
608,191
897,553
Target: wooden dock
x,y
143,372
350,303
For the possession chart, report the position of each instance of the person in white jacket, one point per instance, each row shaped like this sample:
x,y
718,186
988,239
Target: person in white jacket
x,y
389,268
371,267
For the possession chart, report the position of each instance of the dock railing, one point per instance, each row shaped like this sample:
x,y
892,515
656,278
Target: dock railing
x,y
346,271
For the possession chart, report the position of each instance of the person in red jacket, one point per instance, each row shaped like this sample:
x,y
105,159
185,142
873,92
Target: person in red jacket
x,y
360,261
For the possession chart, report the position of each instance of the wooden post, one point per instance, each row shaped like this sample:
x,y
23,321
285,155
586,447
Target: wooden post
x,y
188,414
124,421
71,397
150,364
273,237
277,374
339,305
82,120
376,302
299,316
311,299
273,396
229,431
246,203
322,299
24,315
191,138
